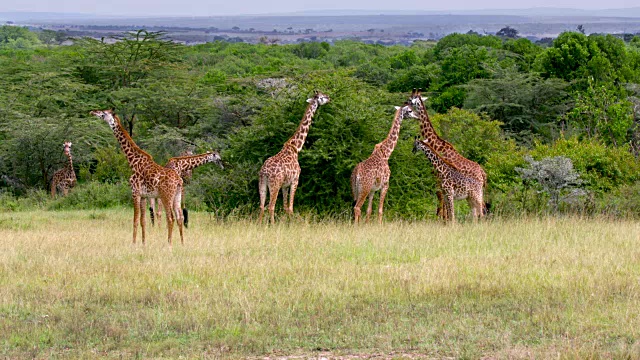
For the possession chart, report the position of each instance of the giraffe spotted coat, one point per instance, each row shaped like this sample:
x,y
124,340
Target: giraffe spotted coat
x,y
373,173
282,170
148,180
454,184
65,178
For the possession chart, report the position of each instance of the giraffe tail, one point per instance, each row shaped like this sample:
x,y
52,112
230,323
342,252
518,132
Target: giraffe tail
x,y
153,216
486,208
185,215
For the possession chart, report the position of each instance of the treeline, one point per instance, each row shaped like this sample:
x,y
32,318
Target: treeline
x,y
498,100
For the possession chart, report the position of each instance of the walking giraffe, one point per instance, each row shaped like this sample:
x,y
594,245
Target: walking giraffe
x,y
148,180
184,166
65,178
453,183
444,149
373,173
282,170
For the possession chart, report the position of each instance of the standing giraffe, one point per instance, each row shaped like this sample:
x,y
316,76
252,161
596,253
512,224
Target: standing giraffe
x,y
443,148
184,166
453,183
65,178
282,169
373,173
148,180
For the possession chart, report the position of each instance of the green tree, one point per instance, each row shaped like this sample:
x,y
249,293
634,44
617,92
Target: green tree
x,y
526,104
602,113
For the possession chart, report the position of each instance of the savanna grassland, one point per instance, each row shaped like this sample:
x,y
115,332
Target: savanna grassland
x,y
73,285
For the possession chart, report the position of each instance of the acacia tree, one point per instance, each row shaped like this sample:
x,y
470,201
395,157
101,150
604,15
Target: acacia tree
x,y
123,61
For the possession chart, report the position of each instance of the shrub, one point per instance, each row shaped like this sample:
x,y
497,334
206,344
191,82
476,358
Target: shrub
x,y
94,195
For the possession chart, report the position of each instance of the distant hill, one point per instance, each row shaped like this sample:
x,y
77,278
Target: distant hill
x,y
19,16
633,12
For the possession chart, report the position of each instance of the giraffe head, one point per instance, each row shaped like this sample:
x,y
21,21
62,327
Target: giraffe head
x,y
214,156
407,111
67,148
319,97
106,115
417,145
416,98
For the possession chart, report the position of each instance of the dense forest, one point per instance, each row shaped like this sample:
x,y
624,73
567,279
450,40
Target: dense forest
x,y
556,126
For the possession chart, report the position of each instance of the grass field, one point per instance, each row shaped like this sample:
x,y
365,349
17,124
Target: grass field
x,y
73,285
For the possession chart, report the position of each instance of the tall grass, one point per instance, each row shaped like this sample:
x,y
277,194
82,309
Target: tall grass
x,y
72,285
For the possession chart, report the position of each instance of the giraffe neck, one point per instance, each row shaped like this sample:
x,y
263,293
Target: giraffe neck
x,y
387,145
426,127
185,163
298,138
70,163
133,153
431,155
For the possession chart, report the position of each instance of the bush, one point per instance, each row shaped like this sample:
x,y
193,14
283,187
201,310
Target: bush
x,y
94,195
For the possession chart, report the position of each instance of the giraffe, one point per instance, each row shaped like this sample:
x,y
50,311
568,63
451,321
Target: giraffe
x,y
186,177
148,180
282,170
444,148
65,178
373,173
184,165
453,183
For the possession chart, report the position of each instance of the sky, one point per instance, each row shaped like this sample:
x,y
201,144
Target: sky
x,y
249,7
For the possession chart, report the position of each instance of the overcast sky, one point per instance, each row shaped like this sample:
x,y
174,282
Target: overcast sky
x,y
230,7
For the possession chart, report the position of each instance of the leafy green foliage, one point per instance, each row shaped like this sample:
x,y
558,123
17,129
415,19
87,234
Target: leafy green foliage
x,y
601,113
245,100
525,103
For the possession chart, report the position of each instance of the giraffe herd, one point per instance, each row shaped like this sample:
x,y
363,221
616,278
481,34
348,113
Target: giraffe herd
x,y
457,177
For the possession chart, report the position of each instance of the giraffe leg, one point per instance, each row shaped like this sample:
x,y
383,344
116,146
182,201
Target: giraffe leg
x,y
356,209
178,209
167,201
450,210
440,208
274,189
262,188
143,220
285,198
294,186
159,211
136,215
476,203
369,207
383,194
53,189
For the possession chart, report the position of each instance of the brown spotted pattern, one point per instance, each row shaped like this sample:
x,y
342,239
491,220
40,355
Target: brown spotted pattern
x,y
65,178
282,170
373,173
148,180
443,148
454,184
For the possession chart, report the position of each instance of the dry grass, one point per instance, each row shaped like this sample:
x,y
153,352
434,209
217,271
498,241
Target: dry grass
x,y
72,285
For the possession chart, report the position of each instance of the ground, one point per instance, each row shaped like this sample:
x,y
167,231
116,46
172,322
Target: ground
x,y
73,285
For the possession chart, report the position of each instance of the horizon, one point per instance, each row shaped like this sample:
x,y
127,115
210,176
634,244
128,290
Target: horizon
x,y
301,11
